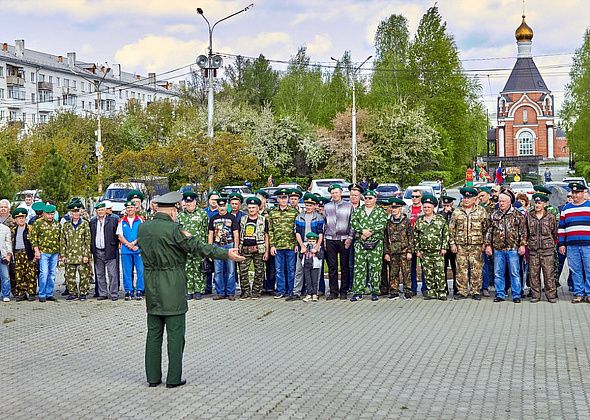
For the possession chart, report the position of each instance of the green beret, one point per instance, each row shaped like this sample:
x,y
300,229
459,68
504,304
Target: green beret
x,y
214,192
485,190
429,199
282,192
312,235
446,199
295,192
542,189
49,208
310,198
129,203
383,202
75,205
189,196
370,193
100,205
468,192
540,197
334,186
236,196
253,200
576,186
19,212
135,194
262,193
38,206
396,202
356,187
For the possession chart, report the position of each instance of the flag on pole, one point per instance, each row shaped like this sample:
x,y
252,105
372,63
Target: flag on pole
x,y
499,176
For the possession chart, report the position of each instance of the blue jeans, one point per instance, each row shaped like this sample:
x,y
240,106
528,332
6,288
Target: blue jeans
x,y
128,261
578,259
5,280
486,273
414,276
501,260
47,269
285,271
225,275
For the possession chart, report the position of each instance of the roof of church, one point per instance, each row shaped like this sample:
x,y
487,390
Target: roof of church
x,y
525,77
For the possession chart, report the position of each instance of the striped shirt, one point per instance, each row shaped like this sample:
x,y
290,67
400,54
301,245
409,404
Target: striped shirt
x,y
574,225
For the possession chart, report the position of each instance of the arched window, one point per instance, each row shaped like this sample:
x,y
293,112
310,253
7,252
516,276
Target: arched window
x,y
525,144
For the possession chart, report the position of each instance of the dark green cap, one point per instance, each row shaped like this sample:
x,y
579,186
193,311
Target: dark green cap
x,y
75,205
396,202
356,187
485,189
135,194
312,235
429,199
282,192
371,193
323,200
576,186
38,206
295,192
540,197
222,200
253,200
49,208
262,193
100,205
214,192
468,192
19,212
446,199
310,198
236,196
334,186
188,196
542,189
129,203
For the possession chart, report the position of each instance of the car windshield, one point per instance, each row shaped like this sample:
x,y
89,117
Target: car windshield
x,y
409,191
326,184
116,194
521,185
387,188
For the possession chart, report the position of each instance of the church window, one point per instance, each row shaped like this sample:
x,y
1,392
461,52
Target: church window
x,y
525,144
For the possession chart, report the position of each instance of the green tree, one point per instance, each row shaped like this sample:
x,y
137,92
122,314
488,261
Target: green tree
x,y
54,179
251,82
7,186
576,108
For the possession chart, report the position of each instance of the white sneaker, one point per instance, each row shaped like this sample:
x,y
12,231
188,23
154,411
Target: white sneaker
x,y
314,298
306,298
6,299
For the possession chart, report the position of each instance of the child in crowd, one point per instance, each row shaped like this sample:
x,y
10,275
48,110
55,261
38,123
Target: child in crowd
x,y
312,264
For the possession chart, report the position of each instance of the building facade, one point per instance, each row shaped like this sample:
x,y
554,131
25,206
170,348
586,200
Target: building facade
x,y
36,85
526,109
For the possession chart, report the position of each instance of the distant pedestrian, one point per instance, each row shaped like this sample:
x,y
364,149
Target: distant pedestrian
x,y
547,175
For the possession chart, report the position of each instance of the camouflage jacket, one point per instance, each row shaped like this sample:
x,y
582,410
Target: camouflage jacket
x,y
196,223
45,236
468,228
376,221
541,233
507,231
399,236
75,241
281,228
431,237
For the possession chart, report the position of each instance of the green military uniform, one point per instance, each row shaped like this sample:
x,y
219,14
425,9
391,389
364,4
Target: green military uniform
x,y
164,249
74,246
25,270
254,254
430,238
399,239
467,233
281,227
195,223
367,262
45,236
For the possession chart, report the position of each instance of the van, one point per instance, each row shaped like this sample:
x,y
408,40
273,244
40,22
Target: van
x,y
117,192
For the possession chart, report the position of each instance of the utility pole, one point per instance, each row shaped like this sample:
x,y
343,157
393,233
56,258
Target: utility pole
x,y
354,148
213,63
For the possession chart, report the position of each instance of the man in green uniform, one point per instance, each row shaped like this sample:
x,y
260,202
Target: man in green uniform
x,y
295,195
254,247
75,252
165,246
399,239
137,197
368,223
25,271
45,241
431,238
195,221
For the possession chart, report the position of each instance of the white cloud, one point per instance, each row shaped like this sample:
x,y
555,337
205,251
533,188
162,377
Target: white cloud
x,y
321,44
181,28
271,44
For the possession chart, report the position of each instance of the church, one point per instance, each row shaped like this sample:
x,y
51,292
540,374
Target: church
x,y
526,110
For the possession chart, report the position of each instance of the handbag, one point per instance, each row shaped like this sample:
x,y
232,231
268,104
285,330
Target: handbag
x,y
369,246
206,266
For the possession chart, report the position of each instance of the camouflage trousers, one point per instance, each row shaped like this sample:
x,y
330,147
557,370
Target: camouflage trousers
x,y
542,263
433,267
25,273
469,267
399,266
195,280
84,272
256,258
367,265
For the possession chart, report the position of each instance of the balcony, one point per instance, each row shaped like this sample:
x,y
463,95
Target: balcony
x,y
12,80
45,86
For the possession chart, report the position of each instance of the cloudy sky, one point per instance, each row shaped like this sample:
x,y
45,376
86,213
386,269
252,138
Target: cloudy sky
x,y
162,35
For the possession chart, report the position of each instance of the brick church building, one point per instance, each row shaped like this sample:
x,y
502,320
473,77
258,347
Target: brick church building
x,y
526,109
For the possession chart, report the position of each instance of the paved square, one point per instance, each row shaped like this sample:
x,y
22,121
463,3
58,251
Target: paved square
x,y
274,359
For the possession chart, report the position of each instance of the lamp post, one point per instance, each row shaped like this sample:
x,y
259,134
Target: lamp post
x,y
98,148
354,71
213,64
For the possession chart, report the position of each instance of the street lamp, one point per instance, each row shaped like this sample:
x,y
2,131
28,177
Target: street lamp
x,y
354,153
213,63
98,148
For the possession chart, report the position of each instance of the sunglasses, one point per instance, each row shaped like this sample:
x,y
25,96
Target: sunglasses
x,y
569,196
416,196
369,198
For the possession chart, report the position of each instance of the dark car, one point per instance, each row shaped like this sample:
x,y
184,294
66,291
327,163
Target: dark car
x,y
385,191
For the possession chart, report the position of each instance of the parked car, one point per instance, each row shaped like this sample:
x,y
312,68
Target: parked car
x,y
561,184
436,187
19,197
581,179
320,186
272,198
385,191
523,187
241,189
117,192
426,189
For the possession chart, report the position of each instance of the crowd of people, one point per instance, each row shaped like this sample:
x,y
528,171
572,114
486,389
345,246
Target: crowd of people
x,y
372,247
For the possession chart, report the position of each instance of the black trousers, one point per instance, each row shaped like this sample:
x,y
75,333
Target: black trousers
x,y
451,259
335,249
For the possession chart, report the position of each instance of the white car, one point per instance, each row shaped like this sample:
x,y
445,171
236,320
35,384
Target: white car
x,y
581,179
426,189
436,187
523,187
320,186
240,189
